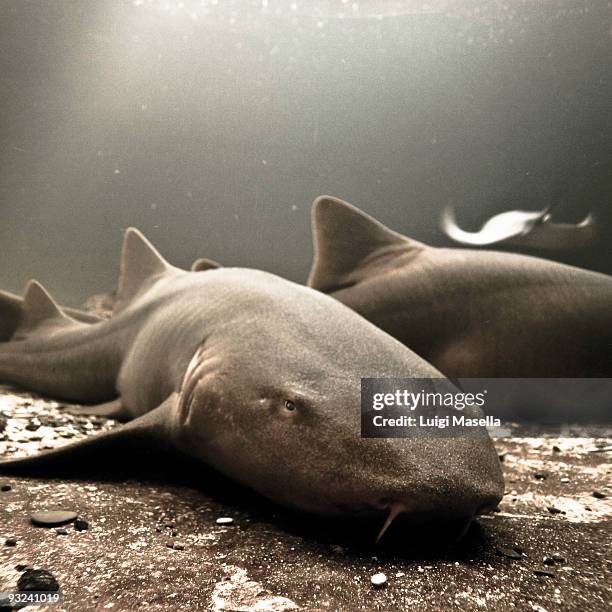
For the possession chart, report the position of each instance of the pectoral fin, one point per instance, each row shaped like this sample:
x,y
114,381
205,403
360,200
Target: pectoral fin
x,y
110,410
150,432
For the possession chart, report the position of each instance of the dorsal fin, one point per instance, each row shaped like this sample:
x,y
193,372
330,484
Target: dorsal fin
x,y
140,261
12,310
344,238
202,264
38,309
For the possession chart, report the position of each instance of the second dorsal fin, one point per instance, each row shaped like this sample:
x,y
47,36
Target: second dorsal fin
x,y
202,264
140,261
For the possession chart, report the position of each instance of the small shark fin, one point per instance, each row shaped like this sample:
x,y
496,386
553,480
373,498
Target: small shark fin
x,y
202,264
140,262
39,311
344,239
12,312
145,433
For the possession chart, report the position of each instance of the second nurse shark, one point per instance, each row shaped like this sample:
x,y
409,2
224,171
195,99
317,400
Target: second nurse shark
x,y
470,313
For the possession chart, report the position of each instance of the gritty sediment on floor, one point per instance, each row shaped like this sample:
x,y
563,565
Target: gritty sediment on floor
x,y
153,541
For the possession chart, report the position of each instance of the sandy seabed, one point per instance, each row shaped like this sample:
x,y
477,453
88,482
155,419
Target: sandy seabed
x,y
153,541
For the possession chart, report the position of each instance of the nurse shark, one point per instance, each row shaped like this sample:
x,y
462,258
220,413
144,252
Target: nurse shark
x,y
251,374
469,313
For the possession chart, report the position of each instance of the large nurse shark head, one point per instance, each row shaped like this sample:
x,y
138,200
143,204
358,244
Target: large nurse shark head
x,y
278,408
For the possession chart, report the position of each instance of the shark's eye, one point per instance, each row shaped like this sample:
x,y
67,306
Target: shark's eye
x,y
289,405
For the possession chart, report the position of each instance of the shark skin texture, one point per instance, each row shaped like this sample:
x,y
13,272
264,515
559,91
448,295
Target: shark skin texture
x,y
250,374
470,313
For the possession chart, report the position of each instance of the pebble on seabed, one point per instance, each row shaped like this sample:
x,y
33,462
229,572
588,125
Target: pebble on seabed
x,y
37,580
510,553
225,520
543,572
52,518
81,525
378,580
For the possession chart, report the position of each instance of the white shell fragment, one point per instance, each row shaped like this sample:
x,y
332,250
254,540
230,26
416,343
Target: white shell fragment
x,y
378,580
225,520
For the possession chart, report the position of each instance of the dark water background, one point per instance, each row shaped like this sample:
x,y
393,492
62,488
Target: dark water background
x,y
212,127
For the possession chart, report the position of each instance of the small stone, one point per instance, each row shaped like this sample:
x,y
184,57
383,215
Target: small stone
x,y
37,580
3,422
544,572
598,494
81,525
5,487
170,525
158,529
174,534
10,542
224,520
33,425
556,449
548,561
510,553
564,479
20,567
52,518
539,475
558,558
554,510
378,580
61,531
178,546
